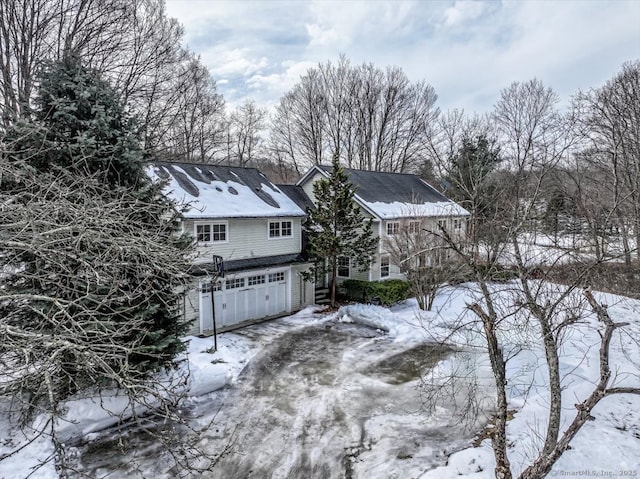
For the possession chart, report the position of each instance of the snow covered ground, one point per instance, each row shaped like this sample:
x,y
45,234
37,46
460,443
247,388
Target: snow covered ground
x,y
610,445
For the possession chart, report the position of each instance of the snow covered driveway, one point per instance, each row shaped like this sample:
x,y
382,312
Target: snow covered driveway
x,y
310,396
332,400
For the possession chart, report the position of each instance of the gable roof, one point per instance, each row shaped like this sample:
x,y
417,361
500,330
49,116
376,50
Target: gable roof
x,y
395,195
213,191
297,194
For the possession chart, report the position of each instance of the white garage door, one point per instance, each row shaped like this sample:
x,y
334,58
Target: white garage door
x,y
242,298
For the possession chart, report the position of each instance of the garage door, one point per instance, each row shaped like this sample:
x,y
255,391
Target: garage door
x,y
242,298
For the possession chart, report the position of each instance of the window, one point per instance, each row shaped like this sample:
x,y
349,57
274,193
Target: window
x,y
276,277
393,228
384,267
209,287
414,227
442,224
280,229
214,232
203,233
253,280
219,232
343,267
235,283
457,224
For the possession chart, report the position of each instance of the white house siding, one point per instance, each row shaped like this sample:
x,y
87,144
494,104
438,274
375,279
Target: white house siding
x,y
248,238
302,292
192,308
308,185
299,294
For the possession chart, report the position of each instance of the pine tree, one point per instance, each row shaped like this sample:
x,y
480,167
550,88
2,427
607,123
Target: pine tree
x,y
472,184
336,227
79,123
94,269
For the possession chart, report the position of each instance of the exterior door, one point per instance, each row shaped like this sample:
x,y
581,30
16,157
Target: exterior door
x,y
206,313
276,293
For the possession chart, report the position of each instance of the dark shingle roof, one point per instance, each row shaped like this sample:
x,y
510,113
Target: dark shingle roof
x,y
386,187
250,263
297,194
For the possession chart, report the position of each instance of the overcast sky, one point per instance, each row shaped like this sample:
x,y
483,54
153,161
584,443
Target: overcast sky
x,y
468,50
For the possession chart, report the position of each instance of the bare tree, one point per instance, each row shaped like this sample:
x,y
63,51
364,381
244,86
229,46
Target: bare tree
x,y
421,249
374,119
137,49
534,139
195,125
246,125
609,120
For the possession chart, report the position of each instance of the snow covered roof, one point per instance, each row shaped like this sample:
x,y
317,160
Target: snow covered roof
x,y
397,195
212,191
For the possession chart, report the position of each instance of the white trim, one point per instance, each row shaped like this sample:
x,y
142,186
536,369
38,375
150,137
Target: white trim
x,y
289,280
388,275
200,321
305,177
227,230
359,201
338,275
280,236
397,228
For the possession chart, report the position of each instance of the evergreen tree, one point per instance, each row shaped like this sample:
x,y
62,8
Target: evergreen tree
x,y
472,184
336,228
93,268
79,123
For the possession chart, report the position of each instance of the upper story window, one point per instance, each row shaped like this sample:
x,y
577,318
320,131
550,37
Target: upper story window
x,y
343,267
280,229
457,223
393,228
211,232
413,227
442,224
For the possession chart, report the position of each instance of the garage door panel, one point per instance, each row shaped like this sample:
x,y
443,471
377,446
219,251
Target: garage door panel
x,y
244,298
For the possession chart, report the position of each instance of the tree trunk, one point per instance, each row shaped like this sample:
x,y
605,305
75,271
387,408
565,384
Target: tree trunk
x,y
334,275
625,238
498,366
555,390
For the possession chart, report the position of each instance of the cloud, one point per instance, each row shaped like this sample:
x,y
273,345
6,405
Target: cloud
x,y
468,50
462,12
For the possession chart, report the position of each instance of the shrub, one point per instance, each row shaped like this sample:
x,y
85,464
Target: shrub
x,y
385,292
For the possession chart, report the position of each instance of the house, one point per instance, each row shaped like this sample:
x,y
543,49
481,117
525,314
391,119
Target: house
x,y
396,202
252,229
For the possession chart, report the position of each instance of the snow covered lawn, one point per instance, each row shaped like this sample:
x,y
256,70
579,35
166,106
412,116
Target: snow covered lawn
x,y
610,445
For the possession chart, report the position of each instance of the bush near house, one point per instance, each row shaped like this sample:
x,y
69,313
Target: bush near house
x,y
386,292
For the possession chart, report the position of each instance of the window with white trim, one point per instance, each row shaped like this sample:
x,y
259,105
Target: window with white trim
x,y
280,229
253,280
393,228
442,224
413,227
384,267
276,277
211,232
235,283
209,287
343,266
457,223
